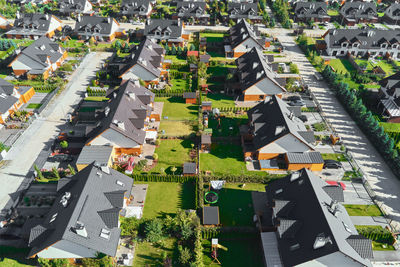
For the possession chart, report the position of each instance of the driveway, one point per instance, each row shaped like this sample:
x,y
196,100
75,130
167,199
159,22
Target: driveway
x,y
39,135
369,220
383,182
356,194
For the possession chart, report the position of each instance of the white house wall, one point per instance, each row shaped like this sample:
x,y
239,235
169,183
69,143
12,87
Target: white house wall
x,y
338,258
54,25
247,45
17,65
265,86
287,143
67,249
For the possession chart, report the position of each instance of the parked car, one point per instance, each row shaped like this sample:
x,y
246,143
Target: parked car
x,y
303,118
298,103
332,164
318,76
293,98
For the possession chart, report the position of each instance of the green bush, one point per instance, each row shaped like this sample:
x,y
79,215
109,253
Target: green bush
x,y
376,233
154,230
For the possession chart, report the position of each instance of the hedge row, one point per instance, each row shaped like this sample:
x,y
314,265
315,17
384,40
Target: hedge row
x,y
243,178
163,178
374,233
96,92
233,109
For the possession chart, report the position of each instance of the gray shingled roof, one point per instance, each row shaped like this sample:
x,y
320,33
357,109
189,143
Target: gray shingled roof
x,y
271,120
210,215
34,24
189,168
242,31
89,24
358,10
174,27
205,139
89,205
311,10
366,38
393,11
188,9
135,7
243,10
189,95
100,154
305,158
72,6
252,68
318,217
335,192
127,108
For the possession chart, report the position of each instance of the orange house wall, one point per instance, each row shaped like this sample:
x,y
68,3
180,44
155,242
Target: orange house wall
x,y
191,100
27,96
312,167
128,151
262,156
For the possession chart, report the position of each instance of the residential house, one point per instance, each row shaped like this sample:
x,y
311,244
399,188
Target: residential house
x,y
4,23
137,8
12,98
242,38
100,28
68,7
101,155
392,14
303,224
256,79
172,31
124,120
84,218
352,13
362,42
32,2
193,10
389,95
311,11
243,10
278,138
205,143
189,169
145,62
41,58
34,26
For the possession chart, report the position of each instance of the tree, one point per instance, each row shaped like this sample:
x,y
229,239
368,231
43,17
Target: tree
x,y
173,170
71,169
155,156
192,47
154,230
157,142
64,144
173,50
293,68
55,173
184,255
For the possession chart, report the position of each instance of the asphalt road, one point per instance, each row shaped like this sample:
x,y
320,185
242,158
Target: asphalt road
x,y
37,137
383,182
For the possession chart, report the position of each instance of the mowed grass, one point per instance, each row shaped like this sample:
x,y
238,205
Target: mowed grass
x,y
150,254
176,128
225,159
15,257
334,156
164,198
213,37
172,152
226,126
176,59
242,251
341,65
363,210
180,85
175,108
219,100
391,127
34,105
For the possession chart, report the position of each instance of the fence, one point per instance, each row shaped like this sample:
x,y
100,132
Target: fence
x,y
47,100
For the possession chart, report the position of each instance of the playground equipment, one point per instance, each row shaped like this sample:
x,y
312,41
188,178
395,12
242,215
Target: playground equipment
x,y
211,196
214,250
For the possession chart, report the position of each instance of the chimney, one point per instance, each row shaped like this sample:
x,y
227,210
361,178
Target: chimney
x,y
109,20
107,111
47,16
121,125
321,241
18,15
105,169
79,18
80,229
132,95
65,198
148,21
179,22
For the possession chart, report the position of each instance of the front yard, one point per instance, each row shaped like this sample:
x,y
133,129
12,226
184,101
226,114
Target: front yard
x,y
363,210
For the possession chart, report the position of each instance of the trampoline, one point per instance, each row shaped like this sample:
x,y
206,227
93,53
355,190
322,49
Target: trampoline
x,y
211,197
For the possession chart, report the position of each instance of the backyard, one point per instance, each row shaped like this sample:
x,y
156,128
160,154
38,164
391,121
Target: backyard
x,y
176,128
176,109
341,65
172,153
150,254
219,100
243,250
225,159
213,37
226,126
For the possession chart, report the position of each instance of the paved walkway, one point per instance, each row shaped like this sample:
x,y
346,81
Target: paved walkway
x,y
369,220
383,182
39,135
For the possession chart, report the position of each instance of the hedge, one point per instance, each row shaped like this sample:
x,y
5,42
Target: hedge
x,y
233,109
244,178
163,178
376,233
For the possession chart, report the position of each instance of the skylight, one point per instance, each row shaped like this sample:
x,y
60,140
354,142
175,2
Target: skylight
x,y
53,217
105,233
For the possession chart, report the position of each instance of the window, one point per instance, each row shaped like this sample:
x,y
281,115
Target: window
x,y
105,233
158,33
53,217
120,183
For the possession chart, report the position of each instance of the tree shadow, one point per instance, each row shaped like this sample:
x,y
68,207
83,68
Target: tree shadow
x,y
17,254
186,197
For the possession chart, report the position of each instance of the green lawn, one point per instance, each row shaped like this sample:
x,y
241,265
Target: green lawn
x,y
226,126
96,98
220,70
15,257
180,85
363,210
150,254
225,159
242,251
34,105
172,152
213,37
166,198
176,59
381,246
176,109
334,156
388,68
176,128
333,12
391,127
219,100
349,175
342,65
